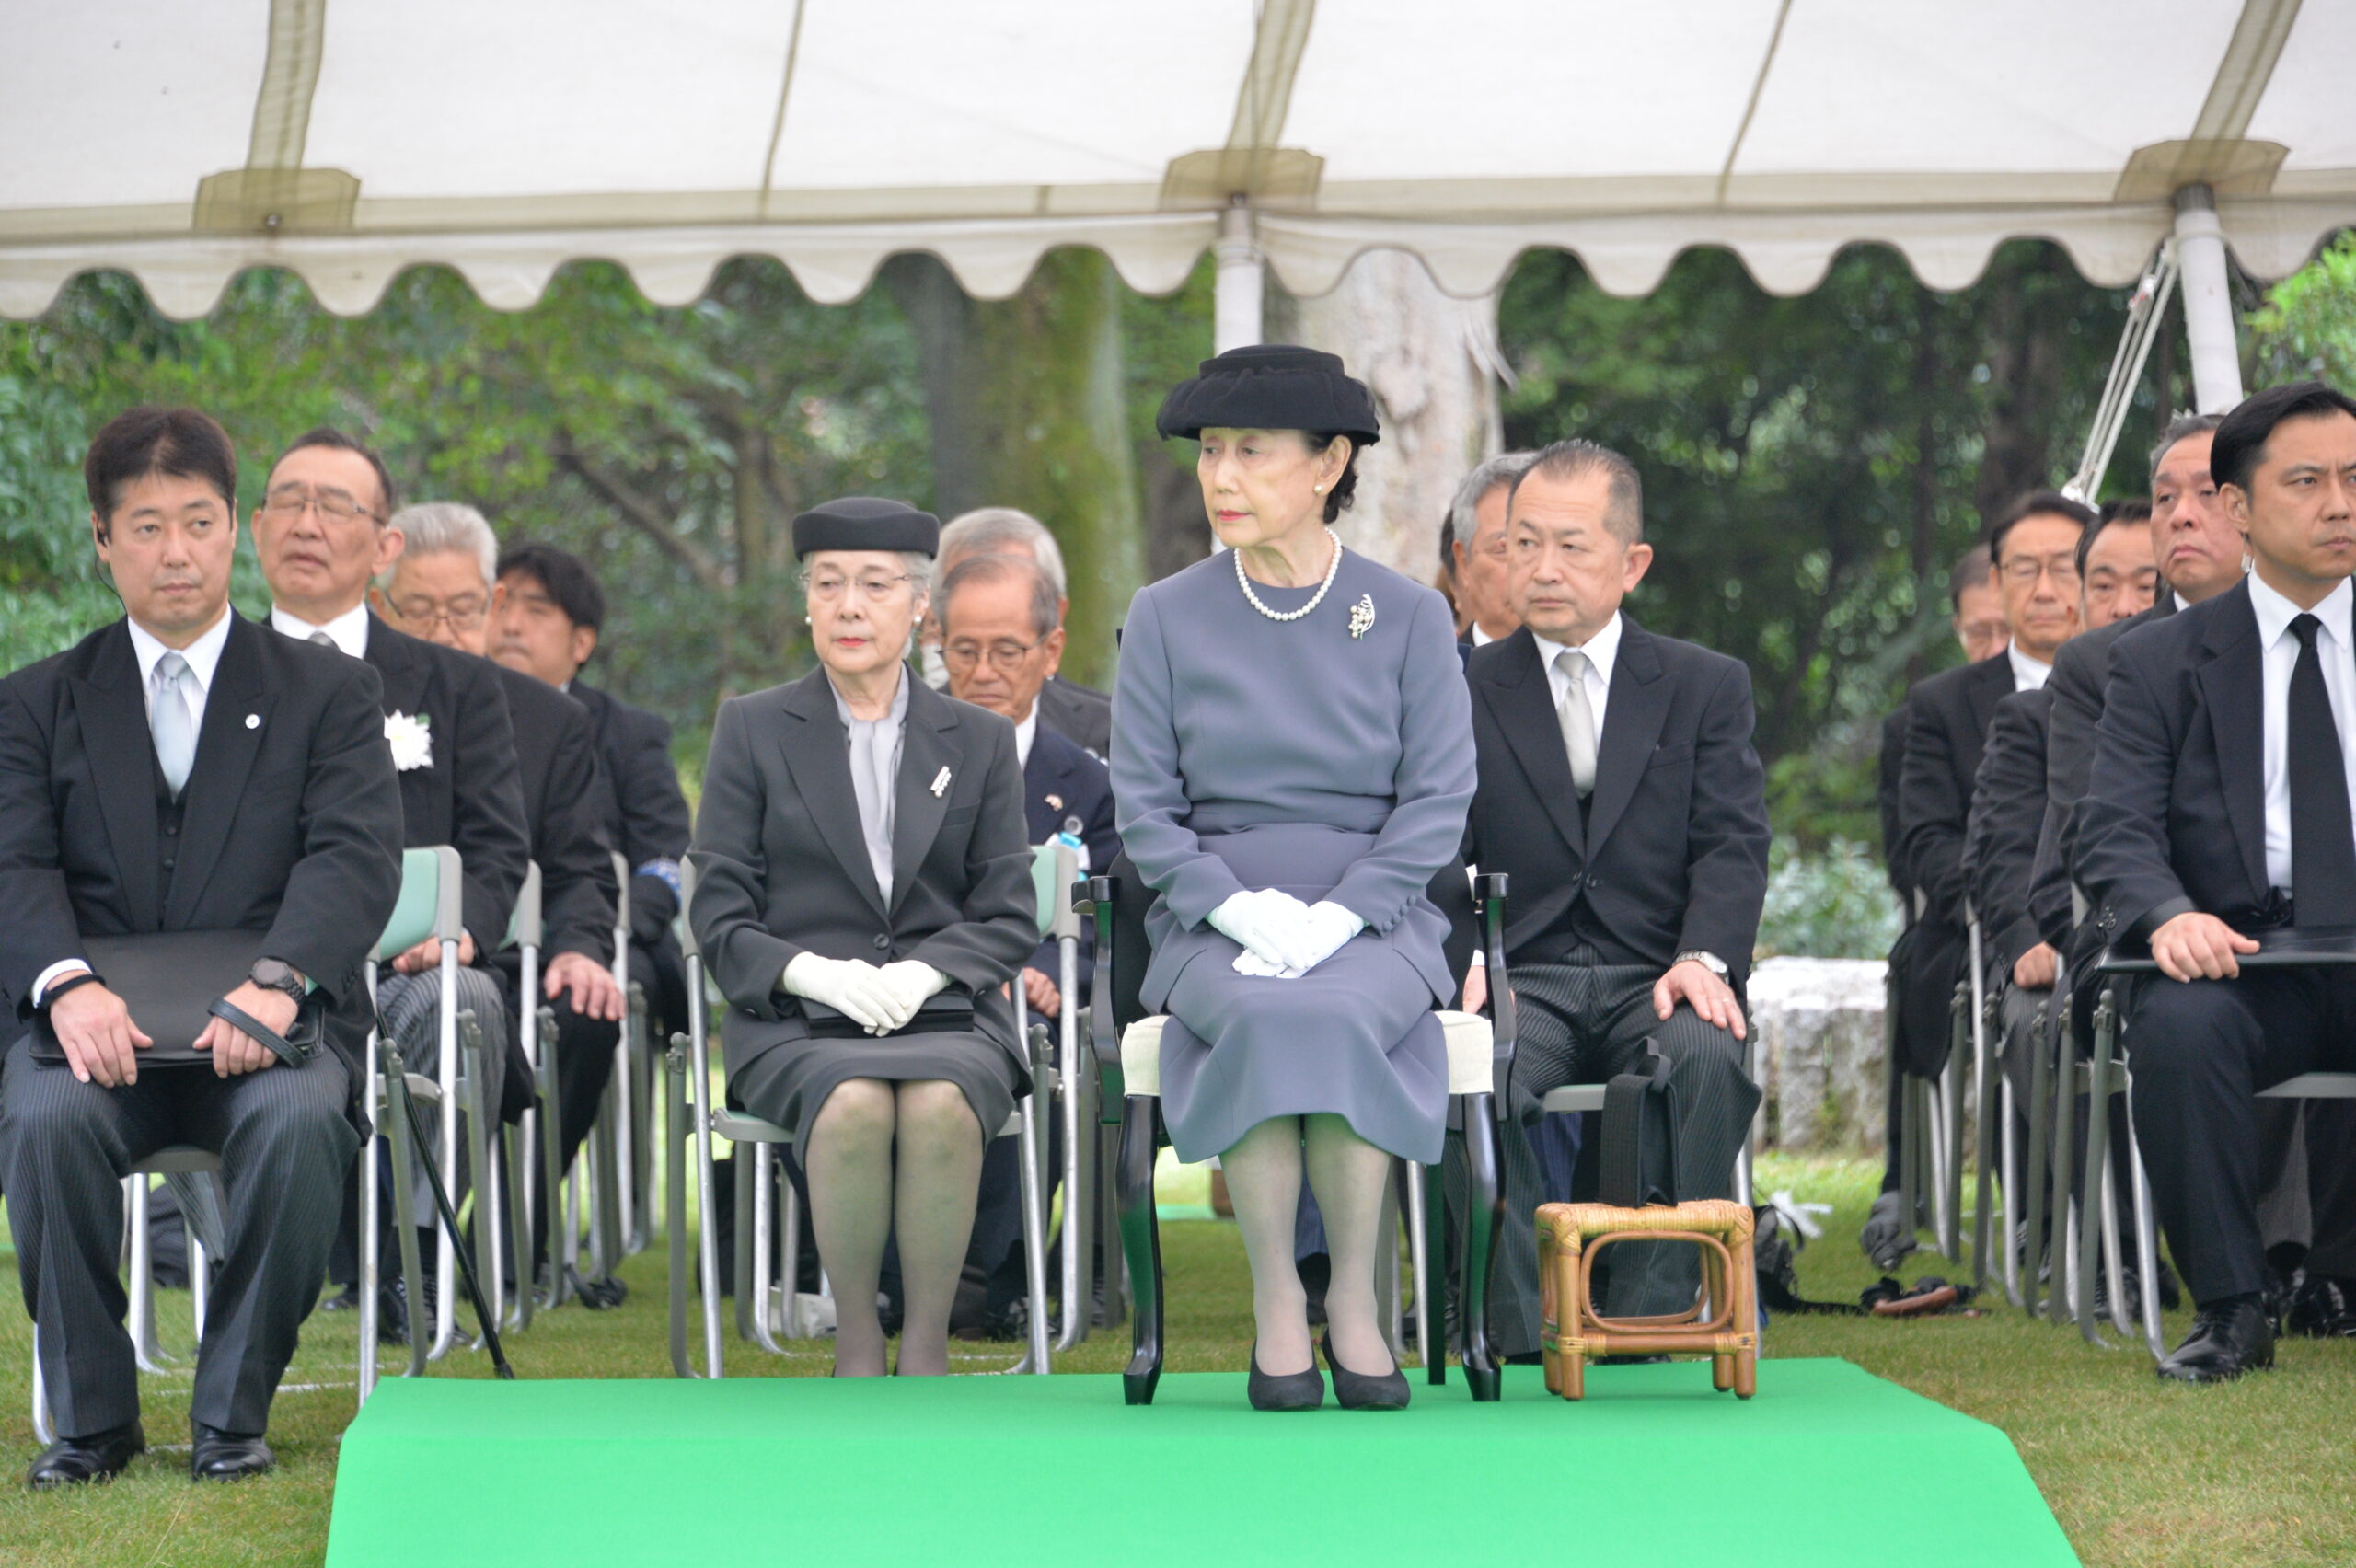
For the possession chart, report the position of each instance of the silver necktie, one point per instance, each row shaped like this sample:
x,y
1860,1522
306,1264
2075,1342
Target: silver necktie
x,y
1578,720
174,732
322,638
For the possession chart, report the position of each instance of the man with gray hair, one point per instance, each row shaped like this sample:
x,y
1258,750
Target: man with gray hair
x,y
1078,713
1474,540
442,587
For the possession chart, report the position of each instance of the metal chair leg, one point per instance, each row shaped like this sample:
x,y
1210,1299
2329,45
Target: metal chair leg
x,y
674,1199
2010,1182
758,1292
2147,1239
200,1281
1034,1239
1141,1241
2035,1181
44,1431
2098,1165
1950,1132
1419,1257
2062,1298
144,1350
1984,1135
558,1218
404,1157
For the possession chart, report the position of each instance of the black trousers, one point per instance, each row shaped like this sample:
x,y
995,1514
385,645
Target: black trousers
x,y
2201,1052
1587,1024
285,1142
585,1065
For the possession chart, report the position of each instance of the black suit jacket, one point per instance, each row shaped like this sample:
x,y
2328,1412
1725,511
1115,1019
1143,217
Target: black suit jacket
x,y
566,803
1077,713
290,820
1062,785
2175,813
781,865
647,812
2007,812
1947,729
468,795
1673,853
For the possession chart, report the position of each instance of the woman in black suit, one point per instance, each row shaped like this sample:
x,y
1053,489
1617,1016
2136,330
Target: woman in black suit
x,y
863,894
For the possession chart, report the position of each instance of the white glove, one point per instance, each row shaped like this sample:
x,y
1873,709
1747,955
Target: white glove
x,y
1262,921
909,983
1251,963
1323,928
852,986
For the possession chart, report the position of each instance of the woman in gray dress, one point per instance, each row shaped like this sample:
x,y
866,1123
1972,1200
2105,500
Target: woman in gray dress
x,y
1292,762
863,895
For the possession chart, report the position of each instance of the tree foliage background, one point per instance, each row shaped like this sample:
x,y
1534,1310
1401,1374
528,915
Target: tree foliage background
x,y
1811,464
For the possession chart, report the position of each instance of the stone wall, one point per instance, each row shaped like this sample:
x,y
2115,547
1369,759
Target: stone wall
x,y
1819,1052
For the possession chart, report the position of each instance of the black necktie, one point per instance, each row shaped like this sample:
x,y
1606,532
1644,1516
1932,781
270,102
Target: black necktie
x,y
2323,845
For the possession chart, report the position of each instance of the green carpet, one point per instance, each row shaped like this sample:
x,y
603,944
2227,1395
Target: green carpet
x,y
1827,1466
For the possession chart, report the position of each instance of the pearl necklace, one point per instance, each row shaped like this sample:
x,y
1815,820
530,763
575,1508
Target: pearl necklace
x,y
1333,569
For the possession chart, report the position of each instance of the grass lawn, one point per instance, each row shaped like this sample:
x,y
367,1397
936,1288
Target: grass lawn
x,y
2142,1474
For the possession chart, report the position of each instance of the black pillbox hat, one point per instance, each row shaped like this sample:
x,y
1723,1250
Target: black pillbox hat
x,y
1271,387
865,523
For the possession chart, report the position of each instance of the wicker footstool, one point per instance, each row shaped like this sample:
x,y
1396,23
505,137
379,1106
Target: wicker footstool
x,y
1569,1237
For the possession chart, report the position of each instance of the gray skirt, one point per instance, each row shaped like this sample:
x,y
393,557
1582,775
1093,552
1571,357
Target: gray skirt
x,y
789,1083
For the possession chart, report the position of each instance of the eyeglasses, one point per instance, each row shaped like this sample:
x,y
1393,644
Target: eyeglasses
x,y
827,589
1004,657
287,504
2024,573
462,615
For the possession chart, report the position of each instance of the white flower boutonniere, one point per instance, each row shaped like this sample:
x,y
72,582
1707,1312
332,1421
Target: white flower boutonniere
x,y
411,737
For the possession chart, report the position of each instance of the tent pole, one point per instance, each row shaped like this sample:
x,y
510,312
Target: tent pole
x,y
1235,316
2208,302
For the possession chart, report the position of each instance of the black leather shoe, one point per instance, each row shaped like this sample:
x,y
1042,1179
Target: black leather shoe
x,y
2228,1339
2324,1307
1360,1391
72,1462
1293,1391
226,1456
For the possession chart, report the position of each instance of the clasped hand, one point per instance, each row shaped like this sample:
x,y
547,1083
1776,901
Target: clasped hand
x,y
101,1041
1283,937
880,1000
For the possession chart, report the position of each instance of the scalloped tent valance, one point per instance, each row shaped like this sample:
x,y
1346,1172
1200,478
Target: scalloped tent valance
x,y
185,143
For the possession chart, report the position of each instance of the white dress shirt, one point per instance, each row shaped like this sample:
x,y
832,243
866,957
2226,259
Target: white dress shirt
x,y
1603,651
2281,649
1023,732
2027,674
204,658
1480,639
349,630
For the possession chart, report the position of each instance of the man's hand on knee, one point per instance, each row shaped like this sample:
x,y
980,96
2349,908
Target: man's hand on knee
x,y
1712,999
586,984
2035,970
2193,946
235,1051
94,1027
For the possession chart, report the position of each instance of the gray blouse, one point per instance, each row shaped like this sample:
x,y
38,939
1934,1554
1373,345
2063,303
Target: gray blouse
x,y
874,770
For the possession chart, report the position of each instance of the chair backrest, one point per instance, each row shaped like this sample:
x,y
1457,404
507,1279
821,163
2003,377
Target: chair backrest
x,y
523,928
431,904
1053,868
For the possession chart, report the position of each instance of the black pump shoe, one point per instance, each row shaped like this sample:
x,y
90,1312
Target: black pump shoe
x,y
1291,1390
1359,1390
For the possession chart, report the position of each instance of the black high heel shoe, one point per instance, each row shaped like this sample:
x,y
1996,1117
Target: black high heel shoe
x,y
1360,1391
1291,1391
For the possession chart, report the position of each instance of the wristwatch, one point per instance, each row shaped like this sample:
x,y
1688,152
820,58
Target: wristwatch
x,y
273,975
1708,961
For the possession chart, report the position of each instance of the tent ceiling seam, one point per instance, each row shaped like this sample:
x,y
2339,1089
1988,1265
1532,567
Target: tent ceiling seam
x,y
784,93
290,76
1750,109
2247,68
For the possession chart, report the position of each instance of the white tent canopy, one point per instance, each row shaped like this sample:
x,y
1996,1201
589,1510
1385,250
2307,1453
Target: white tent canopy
x,y
185,143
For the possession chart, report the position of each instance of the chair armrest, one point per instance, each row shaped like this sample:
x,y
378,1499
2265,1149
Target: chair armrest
x,y
1104,1029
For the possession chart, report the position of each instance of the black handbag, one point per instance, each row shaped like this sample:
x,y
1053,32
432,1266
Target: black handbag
x,y
174,983
943,1012
1637,1165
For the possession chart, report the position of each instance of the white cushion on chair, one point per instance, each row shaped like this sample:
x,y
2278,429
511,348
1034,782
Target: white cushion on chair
x,y
1469,1045
1471,1068
1141,1056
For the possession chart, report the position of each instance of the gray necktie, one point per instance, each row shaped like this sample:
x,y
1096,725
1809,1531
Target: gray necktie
x,y
322,638
174,732
1577,718
874,770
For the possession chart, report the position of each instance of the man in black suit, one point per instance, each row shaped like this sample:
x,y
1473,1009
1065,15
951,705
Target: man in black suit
x,y
324,529
442,590
1000,641
548,623
2219,808
1620,792
181,771
1478,562
2033,553
1078,713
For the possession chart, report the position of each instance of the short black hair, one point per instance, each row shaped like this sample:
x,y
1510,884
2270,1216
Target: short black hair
x,y
2036,503
1345,489
2241,438
335,440
1576,458
141,442
2182,428
2127,511
563,576
1971,570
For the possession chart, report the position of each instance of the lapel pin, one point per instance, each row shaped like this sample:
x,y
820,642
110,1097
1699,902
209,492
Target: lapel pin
x,y
1362,615
1055,803
253,721
941,783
